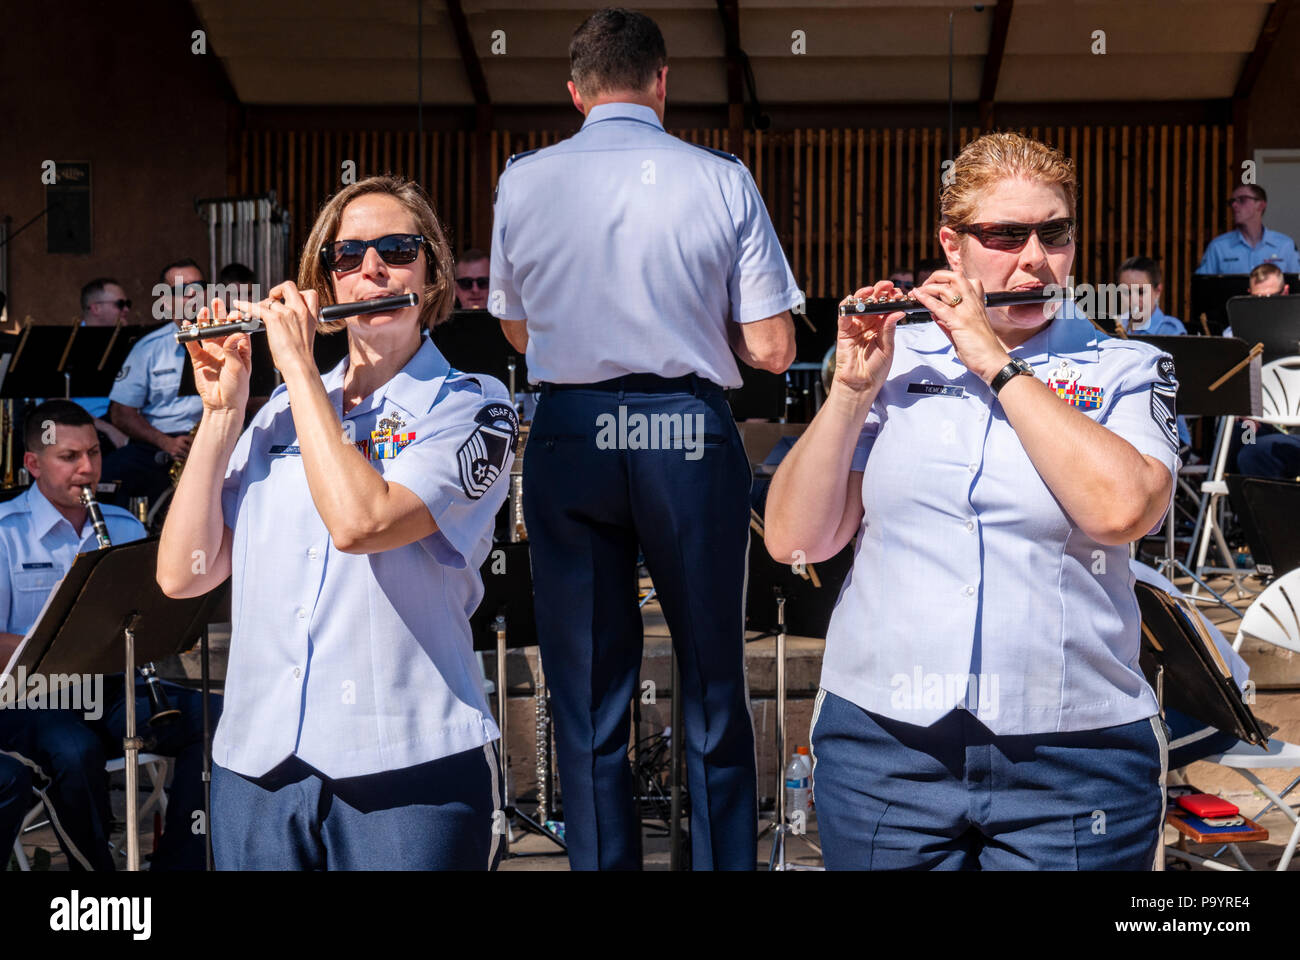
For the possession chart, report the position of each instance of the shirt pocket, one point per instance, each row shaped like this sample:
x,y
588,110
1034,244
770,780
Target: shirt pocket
x,y
164,384
28,582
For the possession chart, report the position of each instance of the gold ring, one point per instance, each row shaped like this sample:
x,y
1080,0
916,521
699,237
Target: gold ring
x,y
955,300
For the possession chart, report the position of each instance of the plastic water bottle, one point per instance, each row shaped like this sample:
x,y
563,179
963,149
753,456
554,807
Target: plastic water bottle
x,y
812,788
798,785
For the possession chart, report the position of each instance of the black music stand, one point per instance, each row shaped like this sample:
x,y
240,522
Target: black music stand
x,y
811,597
64,361
1199,363
1272,321
505,621
102,587
472,341
1267,510
1210,295
1177,648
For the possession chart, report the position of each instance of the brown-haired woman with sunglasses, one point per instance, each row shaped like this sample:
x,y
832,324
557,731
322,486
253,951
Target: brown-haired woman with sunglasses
x,y
982,706
352,515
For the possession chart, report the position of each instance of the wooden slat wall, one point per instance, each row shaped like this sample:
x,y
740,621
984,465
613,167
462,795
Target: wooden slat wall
x,y
850,206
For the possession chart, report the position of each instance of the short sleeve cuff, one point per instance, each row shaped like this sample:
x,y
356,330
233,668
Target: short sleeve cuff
x,y
752,311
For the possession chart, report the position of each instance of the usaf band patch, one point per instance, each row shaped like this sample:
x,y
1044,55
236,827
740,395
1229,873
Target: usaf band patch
x,y
1163,399
483,456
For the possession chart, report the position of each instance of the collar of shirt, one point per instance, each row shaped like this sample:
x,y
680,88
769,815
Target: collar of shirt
x,y
622,111
46,517
1268,238
407,389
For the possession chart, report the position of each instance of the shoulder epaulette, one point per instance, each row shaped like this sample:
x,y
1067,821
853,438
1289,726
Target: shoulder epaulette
x,y
717,153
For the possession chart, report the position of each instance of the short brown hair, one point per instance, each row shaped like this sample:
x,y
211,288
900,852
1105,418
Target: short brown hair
x,y
615,50
1155,276
995,157
1264,271
436,298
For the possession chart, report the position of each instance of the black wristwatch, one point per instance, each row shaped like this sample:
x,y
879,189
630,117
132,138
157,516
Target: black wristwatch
x,y
1012,369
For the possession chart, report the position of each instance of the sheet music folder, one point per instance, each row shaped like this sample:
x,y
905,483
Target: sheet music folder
x,y
80,629
1197,681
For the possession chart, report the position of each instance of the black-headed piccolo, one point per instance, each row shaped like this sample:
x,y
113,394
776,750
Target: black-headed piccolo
x,y
336,311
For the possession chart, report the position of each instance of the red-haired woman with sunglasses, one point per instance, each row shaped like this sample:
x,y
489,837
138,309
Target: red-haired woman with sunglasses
x,y
982,706
353,516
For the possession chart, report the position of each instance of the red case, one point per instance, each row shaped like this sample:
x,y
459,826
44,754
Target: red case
x,y
1203,805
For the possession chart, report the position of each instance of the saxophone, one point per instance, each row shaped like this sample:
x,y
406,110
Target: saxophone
x,y
178,463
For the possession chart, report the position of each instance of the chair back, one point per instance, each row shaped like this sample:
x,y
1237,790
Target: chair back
x,y
1274,617
1280,390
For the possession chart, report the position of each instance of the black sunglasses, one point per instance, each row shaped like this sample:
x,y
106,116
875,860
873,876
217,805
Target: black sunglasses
x,y
396,249
120,304
1013,236
468,283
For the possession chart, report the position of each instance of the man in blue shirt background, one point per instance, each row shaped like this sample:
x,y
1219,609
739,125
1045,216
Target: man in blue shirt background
x,y
1248,245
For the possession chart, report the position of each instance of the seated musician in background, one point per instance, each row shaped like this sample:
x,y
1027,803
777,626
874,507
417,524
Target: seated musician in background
x,y
1267,280
472,280
902,279
352,517
1143,277
103,304
16,799
145,403
981,694
1249,243
41,532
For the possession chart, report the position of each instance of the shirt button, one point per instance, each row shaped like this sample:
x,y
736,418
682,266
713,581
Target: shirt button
x,y
300,613
968,591
970,526
311,553
297,672
972,467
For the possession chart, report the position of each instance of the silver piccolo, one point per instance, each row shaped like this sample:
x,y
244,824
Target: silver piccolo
x,y
917,312
337,311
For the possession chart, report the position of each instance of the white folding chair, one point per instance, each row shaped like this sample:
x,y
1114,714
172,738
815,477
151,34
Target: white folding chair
x,y
1273,618
1280,402
155,766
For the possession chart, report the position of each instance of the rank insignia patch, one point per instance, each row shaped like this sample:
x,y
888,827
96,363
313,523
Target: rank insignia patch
x,y
483,455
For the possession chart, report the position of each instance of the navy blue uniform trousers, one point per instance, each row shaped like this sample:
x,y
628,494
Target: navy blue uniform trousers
x,y
588,505
66,755
955,796
441,815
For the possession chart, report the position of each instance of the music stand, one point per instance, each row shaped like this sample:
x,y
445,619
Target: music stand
x,y
62,361
472,341
1217,377
1267,510
811,597
505,620
1210,295
105,586
1272,321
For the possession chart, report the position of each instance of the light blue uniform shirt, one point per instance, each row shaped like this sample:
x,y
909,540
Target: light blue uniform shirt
x,y
97,407
37,547
150,379
1229,253
1159,324
628,250
965,562
363,663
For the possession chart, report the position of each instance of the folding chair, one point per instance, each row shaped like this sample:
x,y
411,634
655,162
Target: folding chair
x,y
1273,618
156,766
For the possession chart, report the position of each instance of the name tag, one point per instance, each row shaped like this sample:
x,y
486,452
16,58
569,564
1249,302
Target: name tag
x,y
285,450
38,566
164,371
937,389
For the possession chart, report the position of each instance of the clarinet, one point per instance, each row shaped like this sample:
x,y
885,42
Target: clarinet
x,y
163,712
